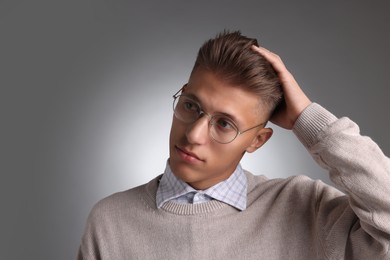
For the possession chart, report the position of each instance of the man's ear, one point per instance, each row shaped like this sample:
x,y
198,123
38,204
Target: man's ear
x,y
263,135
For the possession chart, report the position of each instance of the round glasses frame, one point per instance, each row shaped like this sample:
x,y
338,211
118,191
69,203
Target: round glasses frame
x,y
176,96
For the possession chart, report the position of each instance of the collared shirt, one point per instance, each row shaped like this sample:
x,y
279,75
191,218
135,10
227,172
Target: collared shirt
x,y
232,191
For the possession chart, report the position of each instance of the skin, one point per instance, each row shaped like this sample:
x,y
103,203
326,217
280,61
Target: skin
x,y
200,161
194,156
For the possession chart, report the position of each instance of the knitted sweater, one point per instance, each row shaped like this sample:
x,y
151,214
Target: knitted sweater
x,y
292,218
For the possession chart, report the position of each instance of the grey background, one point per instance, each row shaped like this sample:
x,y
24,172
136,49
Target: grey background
x,y
86,96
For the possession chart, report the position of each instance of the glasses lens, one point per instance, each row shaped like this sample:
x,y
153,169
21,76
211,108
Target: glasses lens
x,y
223,129
186,109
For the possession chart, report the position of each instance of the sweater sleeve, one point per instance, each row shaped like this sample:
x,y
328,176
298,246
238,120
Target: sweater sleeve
x,y
355,226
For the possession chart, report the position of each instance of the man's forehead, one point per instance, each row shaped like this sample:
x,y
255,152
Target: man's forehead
x,y
215,103
192,91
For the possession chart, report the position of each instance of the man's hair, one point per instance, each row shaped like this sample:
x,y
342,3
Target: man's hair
x,y
230,57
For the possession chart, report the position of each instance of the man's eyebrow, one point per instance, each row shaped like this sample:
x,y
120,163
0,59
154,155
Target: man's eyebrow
x,y
193,97
234,118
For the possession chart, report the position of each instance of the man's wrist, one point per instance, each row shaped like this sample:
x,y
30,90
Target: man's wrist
x,y
310,122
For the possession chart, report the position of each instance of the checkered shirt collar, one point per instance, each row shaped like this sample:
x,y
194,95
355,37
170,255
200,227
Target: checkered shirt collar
x,y
232,191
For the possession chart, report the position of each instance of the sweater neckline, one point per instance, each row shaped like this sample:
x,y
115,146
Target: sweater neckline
x,y
196,209
183,209
193,209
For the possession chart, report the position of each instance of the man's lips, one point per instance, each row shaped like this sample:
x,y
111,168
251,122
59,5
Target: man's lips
x,y
188,153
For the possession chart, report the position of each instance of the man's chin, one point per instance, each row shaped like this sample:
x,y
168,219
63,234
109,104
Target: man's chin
x,y
184,173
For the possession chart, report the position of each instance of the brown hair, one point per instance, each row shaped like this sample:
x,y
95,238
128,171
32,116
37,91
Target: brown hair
x,y
230,56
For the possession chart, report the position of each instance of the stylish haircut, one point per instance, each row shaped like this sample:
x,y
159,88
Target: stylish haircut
x,y
230,57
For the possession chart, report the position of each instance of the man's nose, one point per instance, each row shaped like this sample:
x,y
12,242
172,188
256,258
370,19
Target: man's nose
x,y
198,131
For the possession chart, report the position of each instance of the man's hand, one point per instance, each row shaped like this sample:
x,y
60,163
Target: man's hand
x,y
295,101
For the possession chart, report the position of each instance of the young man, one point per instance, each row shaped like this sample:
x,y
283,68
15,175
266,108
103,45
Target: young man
x,y
205,206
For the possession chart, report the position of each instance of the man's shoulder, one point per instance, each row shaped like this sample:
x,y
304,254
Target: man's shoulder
x,y
298,187
134,197
262,181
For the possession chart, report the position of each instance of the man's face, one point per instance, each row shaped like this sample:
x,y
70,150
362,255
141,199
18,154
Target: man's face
x,y
194,156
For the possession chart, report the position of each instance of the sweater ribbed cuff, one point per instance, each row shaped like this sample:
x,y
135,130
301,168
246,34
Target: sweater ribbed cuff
x,y
311,121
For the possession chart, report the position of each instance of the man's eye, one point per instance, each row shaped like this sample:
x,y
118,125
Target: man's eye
x,y
190,106
224,124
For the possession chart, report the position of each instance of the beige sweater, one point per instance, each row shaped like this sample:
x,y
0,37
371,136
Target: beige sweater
x,y
293,218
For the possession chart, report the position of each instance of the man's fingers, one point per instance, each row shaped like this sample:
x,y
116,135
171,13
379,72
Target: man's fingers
x,y
295,98
269,55
272,58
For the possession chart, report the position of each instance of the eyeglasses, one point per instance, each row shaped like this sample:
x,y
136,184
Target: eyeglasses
x,y
221,128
